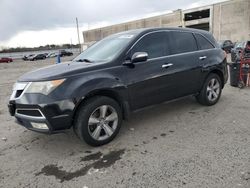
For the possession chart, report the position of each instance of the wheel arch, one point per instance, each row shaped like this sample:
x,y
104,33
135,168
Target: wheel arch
x,y
220,74
107,93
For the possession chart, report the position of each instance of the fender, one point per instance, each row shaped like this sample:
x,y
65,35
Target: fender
x,y
220,69
102,84
90,84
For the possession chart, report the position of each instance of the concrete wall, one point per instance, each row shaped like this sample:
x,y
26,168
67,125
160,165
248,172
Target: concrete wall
x,y
228,20
173,19
231,20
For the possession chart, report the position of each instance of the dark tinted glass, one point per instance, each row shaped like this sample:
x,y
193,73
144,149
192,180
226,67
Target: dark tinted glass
x,y
155,44
182,42
203,42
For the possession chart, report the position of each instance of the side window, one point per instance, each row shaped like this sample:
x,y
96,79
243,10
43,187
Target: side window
x,y
155,44
203,43
182,42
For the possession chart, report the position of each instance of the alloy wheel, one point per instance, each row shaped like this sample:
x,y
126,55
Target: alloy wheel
x,y
103,122
213,90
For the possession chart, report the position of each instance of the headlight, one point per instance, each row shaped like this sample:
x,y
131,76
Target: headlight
x,y
44,87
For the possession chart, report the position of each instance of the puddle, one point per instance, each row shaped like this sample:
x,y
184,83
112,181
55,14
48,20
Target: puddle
x,y
91,157
105,162
192,112
163,134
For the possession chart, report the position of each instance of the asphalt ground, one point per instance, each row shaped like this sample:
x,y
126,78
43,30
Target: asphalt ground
x,y
175,144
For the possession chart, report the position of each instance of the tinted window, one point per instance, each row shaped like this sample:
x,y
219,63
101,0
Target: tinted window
x,y
155,44
203,42
182,42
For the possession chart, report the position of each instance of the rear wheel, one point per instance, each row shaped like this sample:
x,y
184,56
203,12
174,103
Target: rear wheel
x,y
98,121
211,90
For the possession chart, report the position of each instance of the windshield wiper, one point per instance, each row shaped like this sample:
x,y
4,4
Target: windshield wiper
x,y
84,60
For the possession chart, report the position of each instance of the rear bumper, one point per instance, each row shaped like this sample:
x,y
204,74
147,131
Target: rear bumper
x,y
49,118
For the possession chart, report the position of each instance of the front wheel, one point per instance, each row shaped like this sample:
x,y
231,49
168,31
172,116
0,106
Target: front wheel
x,y
98,121
211,91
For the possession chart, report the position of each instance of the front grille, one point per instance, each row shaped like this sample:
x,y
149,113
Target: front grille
x,y
29,112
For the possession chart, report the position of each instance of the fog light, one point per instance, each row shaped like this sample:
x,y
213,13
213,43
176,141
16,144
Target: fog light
x,y
39,126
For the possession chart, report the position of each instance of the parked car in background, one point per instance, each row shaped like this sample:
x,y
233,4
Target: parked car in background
x,y
37,57
30,57
118,75
26,57
240,47
226,45
53,54
6,60
63,53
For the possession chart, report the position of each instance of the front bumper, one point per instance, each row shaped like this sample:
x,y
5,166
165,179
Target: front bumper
x,y
49,118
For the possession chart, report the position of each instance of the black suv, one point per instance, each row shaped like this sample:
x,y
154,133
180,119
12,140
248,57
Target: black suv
x,y
118,75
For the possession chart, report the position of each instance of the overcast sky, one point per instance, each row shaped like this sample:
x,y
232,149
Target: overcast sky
x,y
40,22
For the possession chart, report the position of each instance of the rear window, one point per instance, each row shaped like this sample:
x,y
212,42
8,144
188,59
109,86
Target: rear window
x,y
182,42
203,43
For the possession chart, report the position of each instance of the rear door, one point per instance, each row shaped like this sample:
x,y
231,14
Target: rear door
x,y
207,56
185,60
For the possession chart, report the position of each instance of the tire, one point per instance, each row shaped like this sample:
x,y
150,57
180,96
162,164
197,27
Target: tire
x,y
94,127
210,95
241,84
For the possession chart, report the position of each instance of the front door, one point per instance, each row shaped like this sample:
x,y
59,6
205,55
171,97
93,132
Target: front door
x,y
148,81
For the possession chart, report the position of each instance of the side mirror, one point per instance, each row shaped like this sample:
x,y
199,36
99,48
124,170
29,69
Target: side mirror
x,y
139,57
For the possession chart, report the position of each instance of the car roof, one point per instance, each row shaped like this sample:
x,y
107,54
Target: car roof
x,y
143,31
146,30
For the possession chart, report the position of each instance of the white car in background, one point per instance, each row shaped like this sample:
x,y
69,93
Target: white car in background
x,y
53,54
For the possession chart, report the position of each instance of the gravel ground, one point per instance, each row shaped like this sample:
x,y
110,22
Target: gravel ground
x,y
176,144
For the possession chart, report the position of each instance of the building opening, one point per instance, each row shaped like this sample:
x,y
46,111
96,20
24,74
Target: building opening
x,y
197,15
203,26
198,19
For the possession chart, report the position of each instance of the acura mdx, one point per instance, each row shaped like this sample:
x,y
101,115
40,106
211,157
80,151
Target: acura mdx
x,y
122,73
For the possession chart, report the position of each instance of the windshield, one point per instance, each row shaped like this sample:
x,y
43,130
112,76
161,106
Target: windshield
x,y
106,49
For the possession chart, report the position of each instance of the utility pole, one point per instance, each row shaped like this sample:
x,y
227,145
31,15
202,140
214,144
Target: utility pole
x,y
71,44
77,27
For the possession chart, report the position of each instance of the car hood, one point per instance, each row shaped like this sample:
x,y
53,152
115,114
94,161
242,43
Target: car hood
x,y
59,71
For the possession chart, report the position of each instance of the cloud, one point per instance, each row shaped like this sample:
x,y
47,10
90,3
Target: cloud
x,y
19,16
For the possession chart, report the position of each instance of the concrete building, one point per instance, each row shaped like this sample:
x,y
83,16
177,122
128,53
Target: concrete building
x,y
226,20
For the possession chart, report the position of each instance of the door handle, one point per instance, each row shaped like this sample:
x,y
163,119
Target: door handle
x,y
167,65
203,57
